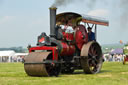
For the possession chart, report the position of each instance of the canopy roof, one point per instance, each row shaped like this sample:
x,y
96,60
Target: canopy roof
x,y
74,18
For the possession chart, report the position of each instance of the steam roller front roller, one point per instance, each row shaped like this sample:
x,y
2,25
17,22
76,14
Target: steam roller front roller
x,y
39,64
92,59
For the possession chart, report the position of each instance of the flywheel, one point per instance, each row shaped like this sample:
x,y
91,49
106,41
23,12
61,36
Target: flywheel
x,y
91,57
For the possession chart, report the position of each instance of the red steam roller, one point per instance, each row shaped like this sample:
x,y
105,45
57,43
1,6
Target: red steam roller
x,y
67,48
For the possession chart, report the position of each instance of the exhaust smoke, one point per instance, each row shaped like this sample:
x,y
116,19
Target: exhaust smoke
x,y
62,2
58,3
122,6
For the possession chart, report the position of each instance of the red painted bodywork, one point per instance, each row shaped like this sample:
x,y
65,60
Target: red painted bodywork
x,y
68,43
67,50
68,36
53,49
81,36
42,39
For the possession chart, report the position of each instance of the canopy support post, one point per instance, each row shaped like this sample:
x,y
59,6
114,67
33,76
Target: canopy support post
x,y
96,32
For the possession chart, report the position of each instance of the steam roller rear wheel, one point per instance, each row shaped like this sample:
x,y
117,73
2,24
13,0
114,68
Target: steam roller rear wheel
x,y
91,57
34,65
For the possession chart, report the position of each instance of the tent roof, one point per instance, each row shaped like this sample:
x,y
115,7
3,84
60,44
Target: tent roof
x,y
21,54
117,51
7,53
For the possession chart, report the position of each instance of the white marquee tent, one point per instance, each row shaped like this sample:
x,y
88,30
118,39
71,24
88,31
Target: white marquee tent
x,y
11,56
6,55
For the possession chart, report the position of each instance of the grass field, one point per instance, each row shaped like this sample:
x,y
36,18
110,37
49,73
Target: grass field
x,y
112,73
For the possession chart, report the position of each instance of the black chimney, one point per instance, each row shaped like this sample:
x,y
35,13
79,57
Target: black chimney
x,y
52,21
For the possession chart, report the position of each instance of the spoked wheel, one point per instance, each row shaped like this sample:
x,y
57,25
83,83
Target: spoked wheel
x,y
34,65
91,57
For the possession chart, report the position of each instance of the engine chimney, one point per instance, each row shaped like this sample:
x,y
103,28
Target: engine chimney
x,y
52,21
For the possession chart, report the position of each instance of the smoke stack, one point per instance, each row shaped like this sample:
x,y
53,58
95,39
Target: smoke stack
x,y
52,21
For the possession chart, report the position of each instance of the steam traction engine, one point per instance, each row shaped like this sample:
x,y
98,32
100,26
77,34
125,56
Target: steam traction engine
x,y
67,48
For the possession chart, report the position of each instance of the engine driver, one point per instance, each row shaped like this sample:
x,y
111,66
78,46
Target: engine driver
x,y
91,35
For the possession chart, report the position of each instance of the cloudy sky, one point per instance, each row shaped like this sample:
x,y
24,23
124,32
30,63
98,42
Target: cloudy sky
x,y
21,21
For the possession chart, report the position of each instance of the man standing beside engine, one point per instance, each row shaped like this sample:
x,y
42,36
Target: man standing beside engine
x,y
91,35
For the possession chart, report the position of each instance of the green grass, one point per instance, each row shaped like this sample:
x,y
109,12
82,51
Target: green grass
x,y
112,73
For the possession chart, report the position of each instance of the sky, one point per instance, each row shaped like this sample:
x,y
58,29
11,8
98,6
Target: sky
x,y
21,21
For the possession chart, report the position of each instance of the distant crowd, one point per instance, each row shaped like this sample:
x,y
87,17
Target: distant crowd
x,y
12,59
107,57
115,57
